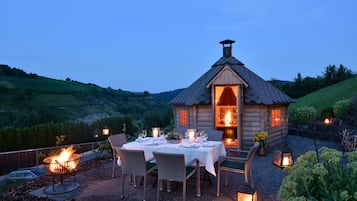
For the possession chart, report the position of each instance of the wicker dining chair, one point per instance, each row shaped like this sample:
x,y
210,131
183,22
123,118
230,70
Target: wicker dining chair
x,y
116,141
235,164
171,167
214,135
133,164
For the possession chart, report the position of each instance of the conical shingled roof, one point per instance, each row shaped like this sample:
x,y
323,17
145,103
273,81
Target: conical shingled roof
x,y
258,91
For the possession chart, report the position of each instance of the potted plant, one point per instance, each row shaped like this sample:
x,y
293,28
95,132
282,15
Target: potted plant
x,y
262,138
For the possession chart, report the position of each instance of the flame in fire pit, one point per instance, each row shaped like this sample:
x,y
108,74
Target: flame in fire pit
x,y
228,118
65,155
64,162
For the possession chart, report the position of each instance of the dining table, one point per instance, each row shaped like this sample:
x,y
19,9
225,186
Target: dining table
x,y
207,152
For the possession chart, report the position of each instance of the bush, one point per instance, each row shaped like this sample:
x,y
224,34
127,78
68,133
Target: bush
x,y
326,113
333,177
341,107
354,105
304,115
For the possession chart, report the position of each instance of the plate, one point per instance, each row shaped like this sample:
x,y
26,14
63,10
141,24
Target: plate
x,y
152,143
190,145
141,139
208,144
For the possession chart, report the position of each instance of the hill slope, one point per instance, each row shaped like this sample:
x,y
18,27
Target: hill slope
x,y
28,99
328,96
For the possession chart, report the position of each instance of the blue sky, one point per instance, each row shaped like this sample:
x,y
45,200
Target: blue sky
x,y
158,46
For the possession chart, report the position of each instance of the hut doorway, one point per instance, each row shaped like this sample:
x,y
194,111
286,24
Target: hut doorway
x,y
226,111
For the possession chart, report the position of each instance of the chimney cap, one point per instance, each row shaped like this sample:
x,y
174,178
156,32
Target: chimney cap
x,y
227,41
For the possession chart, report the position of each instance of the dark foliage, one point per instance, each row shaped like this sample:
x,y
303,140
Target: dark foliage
x,y
44,135
303,86
8,71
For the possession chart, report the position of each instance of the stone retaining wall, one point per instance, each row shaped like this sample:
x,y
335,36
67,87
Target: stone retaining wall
x,y
319,130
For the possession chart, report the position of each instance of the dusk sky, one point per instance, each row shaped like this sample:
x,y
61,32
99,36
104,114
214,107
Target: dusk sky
x,y
164,45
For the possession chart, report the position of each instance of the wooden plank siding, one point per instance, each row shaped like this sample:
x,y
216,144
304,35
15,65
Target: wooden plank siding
x,y
205,119
251,120
255,118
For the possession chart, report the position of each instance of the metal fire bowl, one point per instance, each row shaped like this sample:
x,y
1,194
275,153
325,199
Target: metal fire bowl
x,y
61,168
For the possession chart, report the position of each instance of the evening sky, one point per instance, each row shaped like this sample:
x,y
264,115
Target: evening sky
x,y
163,45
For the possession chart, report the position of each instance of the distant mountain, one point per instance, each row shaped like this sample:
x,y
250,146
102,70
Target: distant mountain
x,y
29,99
168,95
278,83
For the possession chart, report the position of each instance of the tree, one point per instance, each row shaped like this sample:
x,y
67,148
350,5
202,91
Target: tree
x,y
333,75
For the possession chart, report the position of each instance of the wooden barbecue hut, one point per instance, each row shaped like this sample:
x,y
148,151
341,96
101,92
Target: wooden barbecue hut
x,y
231,98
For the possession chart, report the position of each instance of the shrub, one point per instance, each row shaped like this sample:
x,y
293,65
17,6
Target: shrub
x,y
341,107
333,177
304,115
354,105
326,113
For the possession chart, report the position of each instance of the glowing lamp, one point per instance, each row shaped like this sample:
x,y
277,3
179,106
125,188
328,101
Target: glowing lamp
x,y
155,132
191,135
283,156
246,193
327,121
105,131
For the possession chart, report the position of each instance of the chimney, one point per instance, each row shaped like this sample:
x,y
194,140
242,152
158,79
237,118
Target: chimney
x,y
227,47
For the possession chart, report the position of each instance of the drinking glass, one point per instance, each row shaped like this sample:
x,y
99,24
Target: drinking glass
x,y
204,136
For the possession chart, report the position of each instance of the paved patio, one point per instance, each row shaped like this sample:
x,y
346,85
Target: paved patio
x,y
97,184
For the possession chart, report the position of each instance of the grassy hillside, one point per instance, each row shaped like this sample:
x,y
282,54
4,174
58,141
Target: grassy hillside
x,y
28,100
168,95
327,96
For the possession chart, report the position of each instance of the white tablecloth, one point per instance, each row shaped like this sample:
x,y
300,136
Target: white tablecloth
x,y
207,153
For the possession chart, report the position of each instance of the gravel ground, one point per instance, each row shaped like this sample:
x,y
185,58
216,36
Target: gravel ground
x,y
97,183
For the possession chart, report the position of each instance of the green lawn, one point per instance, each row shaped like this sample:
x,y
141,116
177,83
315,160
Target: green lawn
x,y
328,96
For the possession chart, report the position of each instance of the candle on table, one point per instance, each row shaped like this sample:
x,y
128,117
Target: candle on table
x,y
155,132
191,135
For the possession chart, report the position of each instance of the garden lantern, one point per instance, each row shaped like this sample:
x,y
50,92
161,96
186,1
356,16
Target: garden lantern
x,y
246,193
283,156
328,120
105,131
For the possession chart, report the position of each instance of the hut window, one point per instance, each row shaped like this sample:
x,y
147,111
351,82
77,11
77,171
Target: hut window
x,y
275,117
183,117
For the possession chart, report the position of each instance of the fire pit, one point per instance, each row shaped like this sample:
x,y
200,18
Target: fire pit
x,y
66,163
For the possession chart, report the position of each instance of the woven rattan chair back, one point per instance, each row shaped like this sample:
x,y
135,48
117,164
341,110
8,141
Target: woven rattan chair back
x,y
214,135
116,141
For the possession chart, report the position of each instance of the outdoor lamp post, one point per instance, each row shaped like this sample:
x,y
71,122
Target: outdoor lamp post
x,y
105,131
283,156
247,193
96,134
